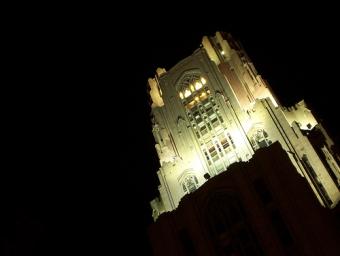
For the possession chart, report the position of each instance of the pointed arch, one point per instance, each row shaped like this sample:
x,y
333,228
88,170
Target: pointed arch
x,y
188,181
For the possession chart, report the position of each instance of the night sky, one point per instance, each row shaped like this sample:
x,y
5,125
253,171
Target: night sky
x,y
85,166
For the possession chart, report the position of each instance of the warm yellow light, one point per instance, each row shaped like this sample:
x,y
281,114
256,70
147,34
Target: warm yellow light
x,y
191,104
203,96
222,52
181,95
192,88
208,91
203,80
197,99
187,93
198,85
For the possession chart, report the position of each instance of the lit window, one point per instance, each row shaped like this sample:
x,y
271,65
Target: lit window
x,y
203,80
187,93
222,52
198,85
191,104
181,95
192,88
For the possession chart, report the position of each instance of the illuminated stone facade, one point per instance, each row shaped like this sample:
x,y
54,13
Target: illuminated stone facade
x,y
213,109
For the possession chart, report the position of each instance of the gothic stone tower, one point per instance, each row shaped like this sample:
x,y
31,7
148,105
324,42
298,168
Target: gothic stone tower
x,y
213,109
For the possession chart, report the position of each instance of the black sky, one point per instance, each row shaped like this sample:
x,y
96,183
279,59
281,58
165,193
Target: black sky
x,y
85,165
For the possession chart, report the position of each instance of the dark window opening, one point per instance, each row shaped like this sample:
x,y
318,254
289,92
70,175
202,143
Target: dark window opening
x,y
314,177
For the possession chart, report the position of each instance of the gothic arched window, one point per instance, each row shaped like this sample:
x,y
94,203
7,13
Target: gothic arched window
x,y
189,184
260,139
192,89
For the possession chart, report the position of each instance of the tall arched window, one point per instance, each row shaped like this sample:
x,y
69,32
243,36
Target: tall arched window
x,y
206,120
192,89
